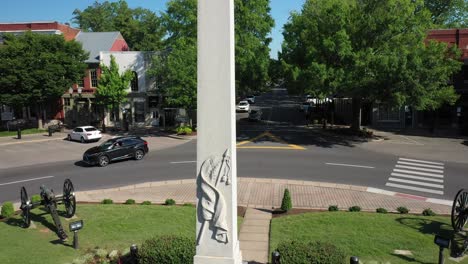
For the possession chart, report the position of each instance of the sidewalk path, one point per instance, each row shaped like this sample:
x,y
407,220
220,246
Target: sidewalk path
x,y
254,236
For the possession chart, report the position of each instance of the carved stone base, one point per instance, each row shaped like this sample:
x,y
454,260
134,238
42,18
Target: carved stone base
x,y
219,260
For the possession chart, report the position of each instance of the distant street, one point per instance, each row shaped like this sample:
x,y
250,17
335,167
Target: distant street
x,y
280,147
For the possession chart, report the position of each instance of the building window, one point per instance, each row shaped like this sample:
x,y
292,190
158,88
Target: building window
x,y
66,101
94,78
388,113
139,112
134,83
153,101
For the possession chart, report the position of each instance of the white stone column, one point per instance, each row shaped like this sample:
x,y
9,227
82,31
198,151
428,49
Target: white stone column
x,y
217,241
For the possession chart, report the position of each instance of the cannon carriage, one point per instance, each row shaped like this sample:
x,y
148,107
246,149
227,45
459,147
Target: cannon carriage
x,y
459,219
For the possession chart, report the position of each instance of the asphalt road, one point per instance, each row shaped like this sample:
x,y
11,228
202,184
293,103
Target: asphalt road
x,y
289,151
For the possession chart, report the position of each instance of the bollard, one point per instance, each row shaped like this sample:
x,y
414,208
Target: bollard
x,y
275,257
354,260
134,253
19,133
75,239
50,131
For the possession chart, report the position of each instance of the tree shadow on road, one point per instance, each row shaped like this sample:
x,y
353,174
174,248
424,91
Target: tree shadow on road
x,y
465,143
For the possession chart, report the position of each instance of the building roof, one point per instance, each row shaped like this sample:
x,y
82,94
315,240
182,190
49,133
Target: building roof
x,y
94,42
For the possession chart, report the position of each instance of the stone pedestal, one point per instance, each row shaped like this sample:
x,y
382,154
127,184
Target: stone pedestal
x,y
217,241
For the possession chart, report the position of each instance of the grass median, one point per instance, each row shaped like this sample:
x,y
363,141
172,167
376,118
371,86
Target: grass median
x,y
370,236
23,132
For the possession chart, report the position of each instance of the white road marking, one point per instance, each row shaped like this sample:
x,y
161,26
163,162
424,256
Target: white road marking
x,y
419,169
33,179
414,188
183,162
420,173
420,165
417,183
414,141
416,177
423,161
350,165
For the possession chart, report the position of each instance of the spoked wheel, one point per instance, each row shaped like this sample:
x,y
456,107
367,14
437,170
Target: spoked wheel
x,y
460,210
103,161
139,154
25,208
69,199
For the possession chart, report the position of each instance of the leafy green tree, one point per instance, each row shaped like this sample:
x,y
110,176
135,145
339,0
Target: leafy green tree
x,y
113,87
368,49
37,69
448,14
140,27
253,24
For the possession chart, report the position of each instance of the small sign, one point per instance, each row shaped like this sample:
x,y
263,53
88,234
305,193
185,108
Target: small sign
x,y
7,116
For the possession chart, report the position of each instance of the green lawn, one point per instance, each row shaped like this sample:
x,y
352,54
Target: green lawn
x,y
107,226
23,132
373,237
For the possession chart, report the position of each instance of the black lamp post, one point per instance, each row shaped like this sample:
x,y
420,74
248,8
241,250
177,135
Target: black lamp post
x,y
442,243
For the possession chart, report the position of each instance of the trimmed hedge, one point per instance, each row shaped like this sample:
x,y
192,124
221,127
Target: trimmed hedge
x,y
402,210
130,201
286,203
7,209
310,252
184,130
333,208
355,208
167,250
169,202
107,201
146,203
381,210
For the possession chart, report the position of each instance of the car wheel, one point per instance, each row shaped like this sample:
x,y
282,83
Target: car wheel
x,y
139,154
82,140
69,138
103,161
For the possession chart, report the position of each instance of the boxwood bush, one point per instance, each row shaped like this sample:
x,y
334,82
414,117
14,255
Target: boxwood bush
x,y
381,210
7,209
184,130
286,204
354,208
146,203
167,250
169,202
428,212
402,210
107,201
333,208
310,252
130,201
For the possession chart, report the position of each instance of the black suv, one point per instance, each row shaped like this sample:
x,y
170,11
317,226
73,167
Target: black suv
x,y
118,148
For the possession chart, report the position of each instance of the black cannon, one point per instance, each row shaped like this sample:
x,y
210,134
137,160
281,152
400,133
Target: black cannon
x,y
50,201
459,219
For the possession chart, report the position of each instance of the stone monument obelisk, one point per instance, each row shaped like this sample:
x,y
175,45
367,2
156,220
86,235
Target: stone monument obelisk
x,y
216,234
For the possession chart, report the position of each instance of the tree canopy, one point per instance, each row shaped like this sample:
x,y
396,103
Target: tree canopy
x,y
368,49
140,27
448,14
38,68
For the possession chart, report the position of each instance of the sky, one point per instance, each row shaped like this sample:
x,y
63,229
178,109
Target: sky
x,y
62,11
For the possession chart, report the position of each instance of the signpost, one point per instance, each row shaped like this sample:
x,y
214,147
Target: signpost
x,y
217,241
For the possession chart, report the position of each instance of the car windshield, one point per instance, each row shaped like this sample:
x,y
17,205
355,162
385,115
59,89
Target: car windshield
x,y
89,129
243,103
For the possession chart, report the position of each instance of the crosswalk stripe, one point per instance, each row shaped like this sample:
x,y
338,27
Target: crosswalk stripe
x,y
417,183
419,169
416,177
422,161
414,188
420,165
419,173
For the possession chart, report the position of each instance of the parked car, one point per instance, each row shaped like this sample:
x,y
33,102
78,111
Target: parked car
x,y
118,148
250,99
85,134
243,106
305,106
255,115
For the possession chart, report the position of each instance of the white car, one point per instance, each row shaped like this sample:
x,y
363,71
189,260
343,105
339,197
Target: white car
x,y
243,106
85,134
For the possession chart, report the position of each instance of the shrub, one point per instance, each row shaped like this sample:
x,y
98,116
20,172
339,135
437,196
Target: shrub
x,y
146,203
310,252
107,201
184,130
381,210
355,208
188,205
333,208
7,209
286,204
35,198
130,201
169,202
167,250
428,212
402,210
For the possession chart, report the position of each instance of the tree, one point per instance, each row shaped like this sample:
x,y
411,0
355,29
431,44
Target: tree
x,y
37,69
113,87
253,24
448,14
140,27
368,49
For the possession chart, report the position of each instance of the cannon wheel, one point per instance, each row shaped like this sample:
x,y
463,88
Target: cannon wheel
x,y
69,198
460,210
25,207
